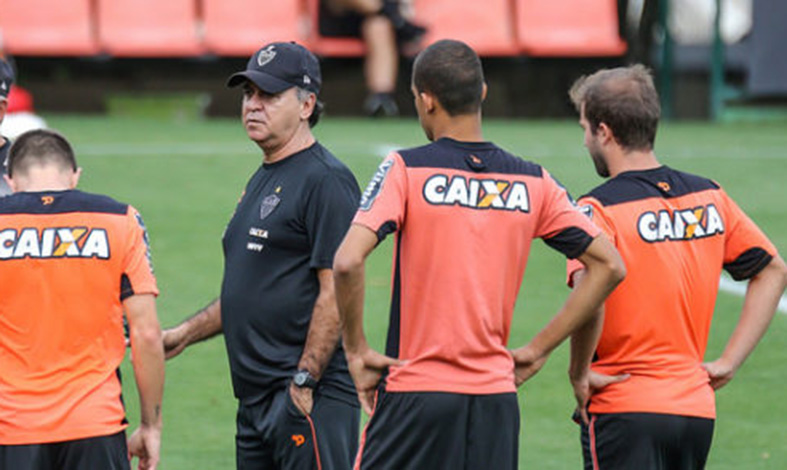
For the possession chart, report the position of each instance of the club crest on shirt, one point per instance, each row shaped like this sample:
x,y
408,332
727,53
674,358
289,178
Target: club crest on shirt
x,y
681,224
375,185
268,205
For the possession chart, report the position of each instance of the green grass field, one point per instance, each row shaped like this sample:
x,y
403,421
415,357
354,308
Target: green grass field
x,y
185,178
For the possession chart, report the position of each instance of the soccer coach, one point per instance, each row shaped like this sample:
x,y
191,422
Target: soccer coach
x,y
297,405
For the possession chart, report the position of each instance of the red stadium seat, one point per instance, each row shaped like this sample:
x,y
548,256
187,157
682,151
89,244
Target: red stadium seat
x,y
329,46
485,25
568,28
149,28
44,27
240,27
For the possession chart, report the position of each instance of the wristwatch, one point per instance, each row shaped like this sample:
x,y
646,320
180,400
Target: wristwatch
x,y
304,379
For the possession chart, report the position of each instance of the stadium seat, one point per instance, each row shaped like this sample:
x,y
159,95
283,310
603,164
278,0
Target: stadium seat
x,y
240,27
329,46
568,28
149,28
44,27
486,25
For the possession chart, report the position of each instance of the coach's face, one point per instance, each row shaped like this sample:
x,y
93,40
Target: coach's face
x,y
270,119
593,144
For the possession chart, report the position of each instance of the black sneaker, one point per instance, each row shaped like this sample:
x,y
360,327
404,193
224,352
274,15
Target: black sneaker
x,y
380,105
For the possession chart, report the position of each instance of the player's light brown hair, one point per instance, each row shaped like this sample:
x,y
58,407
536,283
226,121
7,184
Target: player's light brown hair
x,y
40,147
452,72
624,99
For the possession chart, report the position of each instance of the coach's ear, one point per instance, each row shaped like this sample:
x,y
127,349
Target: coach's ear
x,y
483,92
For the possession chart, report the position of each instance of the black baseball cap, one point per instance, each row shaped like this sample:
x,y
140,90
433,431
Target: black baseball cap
x,y
279,66
6,78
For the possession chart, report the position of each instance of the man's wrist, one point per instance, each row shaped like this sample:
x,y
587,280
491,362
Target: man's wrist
x,y
304,379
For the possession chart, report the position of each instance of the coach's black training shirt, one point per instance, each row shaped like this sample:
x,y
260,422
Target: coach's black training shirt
x,y
4,189
288,224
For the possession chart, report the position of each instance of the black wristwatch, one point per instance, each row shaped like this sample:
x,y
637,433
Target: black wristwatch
x,y
304,379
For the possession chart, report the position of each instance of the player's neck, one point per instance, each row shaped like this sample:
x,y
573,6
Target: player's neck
x,y
464,128
300,140
633,160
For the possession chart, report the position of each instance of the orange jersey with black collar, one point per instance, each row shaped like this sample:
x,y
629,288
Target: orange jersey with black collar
x,y
675,232
465,215
67,259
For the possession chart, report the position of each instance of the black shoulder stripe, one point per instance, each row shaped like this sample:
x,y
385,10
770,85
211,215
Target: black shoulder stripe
x,y
572,242
662,182
486,158
748,264
60,202
126,290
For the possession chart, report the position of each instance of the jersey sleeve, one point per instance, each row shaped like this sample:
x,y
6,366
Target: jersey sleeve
x,y
329,210
561,225
137,277
383,202
594,211
746,248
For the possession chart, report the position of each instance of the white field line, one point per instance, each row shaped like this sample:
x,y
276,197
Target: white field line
x,y
739,288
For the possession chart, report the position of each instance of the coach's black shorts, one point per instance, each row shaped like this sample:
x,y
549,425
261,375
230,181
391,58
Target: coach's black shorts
x,y
647,441
104,452
435,430
274,434
339,25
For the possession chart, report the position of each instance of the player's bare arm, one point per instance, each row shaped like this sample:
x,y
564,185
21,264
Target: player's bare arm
x,y
583,345
759,306
148,360
604,270
366,365
203,325
321,341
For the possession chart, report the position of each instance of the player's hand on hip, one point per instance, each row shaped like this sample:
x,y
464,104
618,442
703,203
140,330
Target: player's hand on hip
x,y
720,373
302,398
367,367
145,444
588,384
527,363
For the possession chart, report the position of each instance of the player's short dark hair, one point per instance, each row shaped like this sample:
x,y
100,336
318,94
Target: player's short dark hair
x,y
451,71
40,147
623,98
314,118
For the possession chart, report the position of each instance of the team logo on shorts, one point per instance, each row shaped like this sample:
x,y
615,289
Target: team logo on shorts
x,y
375,185
268,205
477,193
688,224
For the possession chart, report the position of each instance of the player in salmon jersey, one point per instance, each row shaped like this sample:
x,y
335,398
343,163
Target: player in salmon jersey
x,y
652,404
71,263
464,212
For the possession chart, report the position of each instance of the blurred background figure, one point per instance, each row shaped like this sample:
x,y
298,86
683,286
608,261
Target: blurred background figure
x,y
386,31
19,113
6,81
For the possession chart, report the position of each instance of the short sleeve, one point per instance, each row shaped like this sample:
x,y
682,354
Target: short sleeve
x,y
383,202
594,211
329,210
746,248
561,225
137,277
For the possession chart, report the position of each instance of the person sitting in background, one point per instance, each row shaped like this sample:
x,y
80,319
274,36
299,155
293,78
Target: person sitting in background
x,y
385,32
6,81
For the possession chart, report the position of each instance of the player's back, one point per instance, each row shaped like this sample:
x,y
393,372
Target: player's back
x,y
66,260
466,215
675,232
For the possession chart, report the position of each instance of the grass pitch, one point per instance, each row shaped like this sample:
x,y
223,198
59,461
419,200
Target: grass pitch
x,y
185,178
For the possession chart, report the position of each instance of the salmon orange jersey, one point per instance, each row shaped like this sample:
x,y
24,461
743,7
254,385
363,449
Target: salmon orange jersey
x,y
675,232
465,215
67,259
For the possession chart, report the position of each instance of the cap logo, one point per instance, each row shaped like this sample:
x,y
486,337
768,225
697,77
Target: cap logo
x,y
266,55
306,79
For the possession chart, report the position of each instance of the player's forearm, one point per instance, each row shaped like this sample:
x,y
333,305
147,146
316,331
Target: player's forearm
x,y
148,358
324,329
350,287
604,270
203,325
759,306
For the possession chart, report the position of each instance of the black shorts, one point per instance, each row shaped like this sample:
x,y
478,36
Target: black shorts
x,y
647,441
347,25
104,452
274,434
435,430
